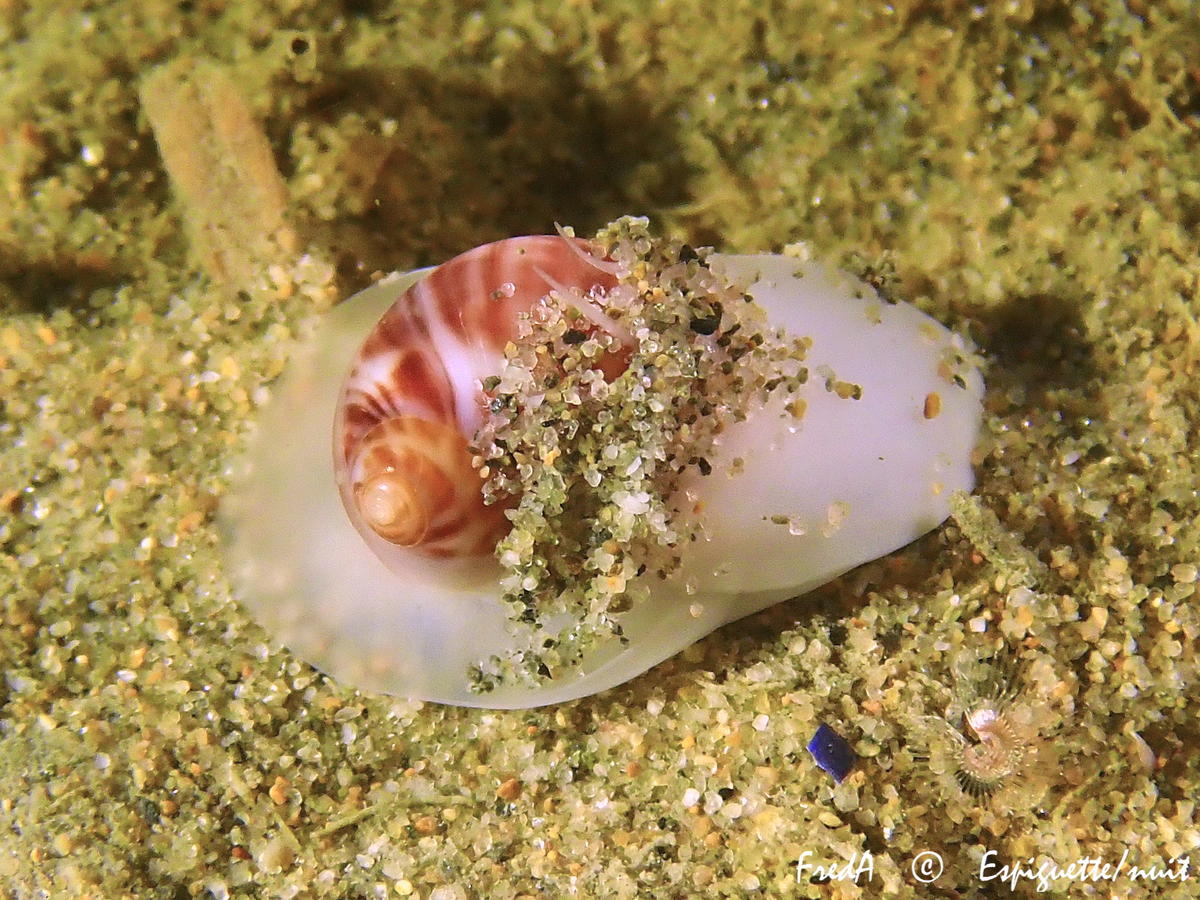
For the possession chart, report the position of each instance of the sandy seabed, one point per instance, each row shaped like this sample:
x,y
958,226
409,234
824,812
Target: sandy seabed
x,y
1025,172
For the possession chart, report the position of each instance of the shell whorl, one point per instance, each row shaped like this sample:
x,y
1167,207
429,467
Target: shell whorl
x,y
413,399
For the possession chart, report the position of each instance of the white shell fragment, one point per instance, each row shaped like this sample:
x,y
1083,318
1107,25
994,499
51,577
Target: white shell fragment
x,y
790,504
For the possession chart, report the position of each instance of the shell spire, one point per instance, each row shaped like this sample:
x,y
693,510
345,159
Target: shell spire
x,y
413,398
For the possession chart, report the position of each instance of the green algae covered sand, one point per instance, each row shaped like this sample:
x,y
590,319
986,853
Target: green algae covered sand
x,y
1019,685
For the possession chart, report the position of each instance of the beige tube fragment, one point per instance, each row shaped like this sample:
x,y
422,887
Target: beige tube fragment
x,y
220,163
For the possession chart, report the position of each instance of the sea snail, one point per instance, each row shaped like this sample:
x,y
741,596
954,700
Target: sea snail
x,y
377,565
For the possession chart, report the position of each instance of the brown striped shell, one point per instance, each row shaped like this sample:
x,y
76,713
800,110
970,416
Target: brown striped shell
x,y
413,398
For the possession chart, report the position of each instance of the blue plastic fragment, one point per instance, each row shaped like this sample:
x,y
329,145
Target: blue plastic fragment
x,y
832,753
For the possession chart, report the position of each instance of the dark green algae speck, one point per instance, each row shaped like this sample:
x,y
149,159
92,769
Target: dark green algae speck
x,y
1029,169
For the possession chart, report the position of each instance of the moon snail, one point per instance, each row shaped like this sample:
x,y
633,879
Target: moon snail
x,y
378,565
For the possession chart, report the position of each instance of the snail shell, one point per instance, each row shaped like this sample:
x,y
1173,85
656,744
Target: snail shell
x,y
852,480
413,399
